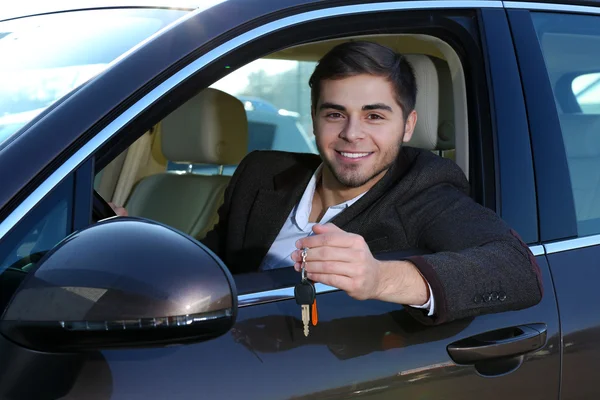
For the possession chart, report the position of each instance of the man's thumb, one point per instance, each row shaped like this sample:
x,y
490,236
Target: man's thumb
x,y
325,228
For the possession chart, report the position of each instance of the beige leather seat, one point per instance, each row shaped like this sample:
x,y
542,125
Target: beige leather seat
x,y
581,135
435,106
211,128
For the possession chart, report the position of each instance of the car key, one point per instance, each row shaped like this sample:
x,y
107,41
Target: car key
x,y
305,297
304,292
314,316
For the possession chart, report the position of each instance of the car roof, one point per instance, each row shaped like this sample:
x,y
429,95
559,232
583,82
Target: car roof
x,y
37,7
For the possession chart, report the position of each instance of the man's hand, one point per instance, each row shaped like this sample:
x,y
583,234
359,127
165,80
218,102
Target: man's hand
x,y
340,259
120,211
343,260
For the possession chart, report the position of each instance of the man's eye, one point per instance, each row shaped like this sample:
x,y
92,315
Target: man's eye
x,y
333,115
374,116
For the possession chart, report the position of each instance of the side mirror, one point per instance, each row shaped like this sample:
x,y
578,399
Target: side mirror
x,y
123,282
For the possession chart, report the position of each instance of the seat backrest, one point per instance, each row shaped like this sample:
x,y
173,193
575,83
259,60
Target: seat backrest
x,y
581,135
434,106
211,128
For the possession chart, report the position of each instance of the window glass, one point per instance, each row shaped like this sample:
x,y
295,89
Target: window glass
x,y
570,44
44,57
586,89
46,225
276,97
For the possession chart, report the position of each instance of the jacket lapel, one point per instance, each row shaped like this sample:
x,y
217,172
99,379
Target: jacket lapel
x,y
271,208
394,174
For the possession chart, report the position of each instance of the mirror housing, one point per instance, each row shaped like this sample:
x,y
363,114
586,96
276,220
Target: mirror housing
x,y
123,282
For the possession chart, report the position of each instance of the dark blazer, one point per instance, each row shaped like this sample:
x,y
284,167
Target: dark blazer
x,y
477,263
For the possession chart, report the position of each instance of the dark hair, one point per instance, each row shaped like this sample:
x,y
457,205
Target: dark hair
x,y
359,57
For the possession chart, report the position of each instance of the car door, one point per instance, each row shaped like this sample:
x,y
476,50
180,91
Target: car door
x,y
359,348
560,72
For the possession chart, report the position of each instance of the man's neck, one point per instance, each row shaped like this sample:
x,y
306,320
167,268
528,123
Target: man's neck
x,y
330,192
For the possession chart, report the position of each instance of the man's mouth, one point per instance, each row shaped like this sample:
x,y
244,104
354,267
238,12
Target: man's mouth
x,y
354,155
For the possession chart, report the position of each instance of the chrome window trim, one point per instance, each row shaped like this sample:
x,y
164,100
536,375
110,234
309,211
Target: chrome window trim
x,y
572,244
117,124
552,7
269,296
537,250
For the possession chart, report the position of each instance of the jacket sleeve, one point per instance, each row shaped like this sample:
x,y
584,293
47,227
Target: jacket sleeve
x,y
478,263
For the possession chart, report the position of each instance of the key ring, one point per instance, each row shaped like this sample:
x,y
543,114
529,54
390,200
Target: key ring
x,y
304,254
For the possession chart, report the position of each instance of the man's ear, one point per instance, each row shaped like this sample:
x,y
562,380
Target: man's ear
x,y
409,126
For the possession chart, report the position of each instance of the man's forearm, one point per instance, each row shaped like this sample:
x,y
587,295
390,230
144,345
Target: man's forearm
x,y
401,282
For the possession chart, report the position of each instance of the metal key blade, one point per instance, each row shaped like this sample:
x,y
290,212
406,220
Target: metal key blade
x,y
305,318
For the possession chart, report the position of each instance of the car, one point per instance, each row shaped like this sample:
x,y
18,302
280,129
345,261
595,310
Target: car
x,y
97,99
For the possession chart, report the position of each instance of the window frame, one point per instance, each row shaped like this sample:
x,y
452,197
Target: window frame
x,y
556,205
482,169
141,115
75,187
65,190
517,198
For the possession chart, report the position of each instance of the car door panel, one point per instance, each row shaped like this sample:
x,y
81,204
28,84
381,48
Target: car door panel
x,y
577,273
358,348
565,158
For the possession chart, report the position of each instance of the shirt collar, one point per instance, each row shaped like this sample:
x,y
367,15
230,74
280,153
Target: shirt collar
x,y
302,212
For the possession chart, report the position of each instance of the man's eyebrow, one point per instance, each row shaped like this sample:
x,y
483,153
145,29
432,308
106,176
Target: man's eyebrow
x,y
377,106
333,106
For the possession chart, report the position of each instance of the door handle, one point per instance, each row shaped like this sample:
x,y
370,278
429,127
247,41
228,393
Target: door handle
x,y
507,342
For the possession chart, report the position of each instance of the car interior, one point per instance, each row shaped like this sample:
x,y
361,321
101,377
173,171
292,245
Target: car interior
x,y
212,128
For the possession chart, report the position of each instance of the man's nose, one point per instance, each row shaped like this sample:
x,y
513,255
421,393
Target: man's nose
x,y
352,130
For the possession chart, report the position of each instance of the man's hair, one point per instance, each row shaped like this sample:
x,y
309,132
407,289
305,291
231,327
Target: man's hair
x,y
359,57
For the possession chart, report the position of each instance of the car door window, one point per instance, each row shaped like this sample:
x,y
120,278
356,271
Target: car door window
x,y
47,224
275,92
570,46
266,102
276,97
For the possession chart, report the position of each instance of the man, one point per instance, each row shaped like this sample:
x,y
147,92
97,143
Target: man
x,y
366,193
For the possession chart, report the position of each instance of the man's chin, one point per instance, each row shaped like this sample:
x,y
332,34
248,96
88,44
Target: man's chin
x,y
355,177
352,180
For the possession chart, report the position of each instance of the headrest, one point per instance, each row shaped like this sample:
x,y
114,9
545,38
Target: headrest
x,y
435,111
210,128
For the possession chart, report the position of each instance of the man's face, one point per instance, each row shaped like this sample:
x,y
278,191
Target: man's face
x,y
359,128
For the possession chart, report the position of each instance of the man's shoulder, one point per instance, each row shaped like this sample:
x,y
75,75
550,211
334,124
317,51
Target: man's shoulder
x,y
275,161
429,169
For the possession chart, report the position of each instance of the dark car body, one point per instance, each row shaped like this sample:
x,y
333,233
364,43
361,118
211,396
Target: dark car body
x,y
360,349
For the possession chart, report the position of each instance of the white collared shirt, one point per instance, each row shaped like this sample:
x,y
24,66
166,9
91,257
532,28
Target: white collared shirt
x,y
297,226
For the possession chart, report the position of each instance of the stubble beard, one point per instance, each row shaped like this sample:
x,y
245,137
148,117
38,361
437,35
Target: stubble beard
x,y
350,175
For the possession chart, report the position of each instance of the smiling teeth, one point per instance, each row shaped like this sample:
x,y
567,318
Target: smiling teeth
x,y
354,155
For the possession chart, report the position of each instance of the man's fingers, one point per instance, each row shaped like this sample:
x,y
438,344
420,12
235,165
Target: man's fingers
x,y
121,211
332,239
326,228
326,254
329,267
337,281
